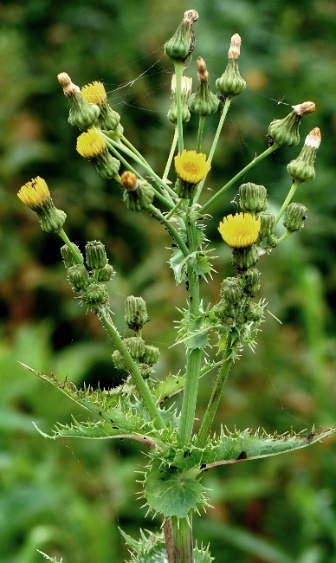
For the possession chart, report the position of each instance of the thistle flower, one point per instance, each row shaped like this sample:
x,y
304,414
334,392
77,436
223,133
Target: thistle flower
x,y
92,145
95,93
240,230
36,195
191,167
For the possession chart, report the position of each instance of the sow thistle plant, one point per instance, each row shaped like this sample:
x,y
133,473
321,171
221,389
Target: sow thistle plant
x,y
177,449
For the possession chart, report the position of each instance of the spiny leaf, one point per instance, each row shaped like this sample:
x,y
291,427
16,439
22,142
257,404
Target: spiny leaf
x,y
150,548
52,559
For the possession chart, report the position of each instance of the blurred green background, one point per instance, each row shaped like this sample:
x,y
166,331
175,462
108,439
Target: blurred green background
x,y
68,498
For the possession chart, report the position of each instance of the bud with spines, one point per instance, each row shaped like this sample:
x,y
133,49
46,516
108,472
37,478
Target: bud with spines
x,y
285,132
69,258
203,102
82,113
185,93
94,295
231,83
135,312
267,224
104,274
182,44
95,255
252,197
78,277
251,281
302,168
231,290
294,217
136,347
151,355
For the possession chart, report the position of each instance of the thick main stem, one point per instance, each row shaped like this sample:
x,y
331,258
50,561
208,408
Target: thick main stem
x,y
179,541
194,355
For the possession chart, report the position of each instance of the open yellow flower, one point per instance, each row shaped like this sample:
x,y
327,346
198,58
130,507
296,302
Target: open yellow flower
x,y
91,144
191,166
34,194
94,93
240,230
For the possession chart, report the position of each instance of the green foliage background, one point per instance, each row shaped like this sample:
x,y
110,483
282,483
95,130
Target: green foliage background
x,y
68,498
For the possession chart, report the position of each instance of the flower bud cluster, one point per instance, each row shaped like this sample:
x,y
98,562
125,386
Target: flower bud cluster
x,y
88,277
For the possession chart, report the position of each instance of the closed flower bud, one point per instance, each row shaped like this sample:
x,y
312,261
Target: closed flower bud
x,y
138,194
254,312
151,355
105,273
135,313
182,44
231,83
203,102
136,347
36,195
95,255
252,197
285,132
185,93
82,113
294,217
231,290
251,281
78,277
267,224
244,258
302,168
68,256
94,295
118,360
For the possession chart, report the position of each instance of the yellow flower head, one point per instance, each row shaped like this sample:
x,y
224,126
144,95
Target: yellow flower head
x,y
94,93
240,230
191,167
91,144
34,194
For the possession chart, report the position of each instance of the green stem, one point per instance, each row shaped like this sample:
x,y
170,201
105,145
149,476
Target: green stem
x,y
77,256
175,208
195,355
182,541
201,123
285,204
284,236
179,73
214,401
175,234
141,385
171,155
253,162
225,110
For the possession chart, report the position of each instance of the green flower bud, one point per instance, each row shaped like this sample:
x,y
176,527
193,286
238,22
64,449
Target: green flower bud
x,y
285,132
231,83
95,255
294,217
135,313
254,312
78,277
94,295
245,258
136,347
231,290
138,197
203,102
118,360
151,355
302,168
105,274
252,197
267,224
68,257
272,241
251,281
182,44
82,114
